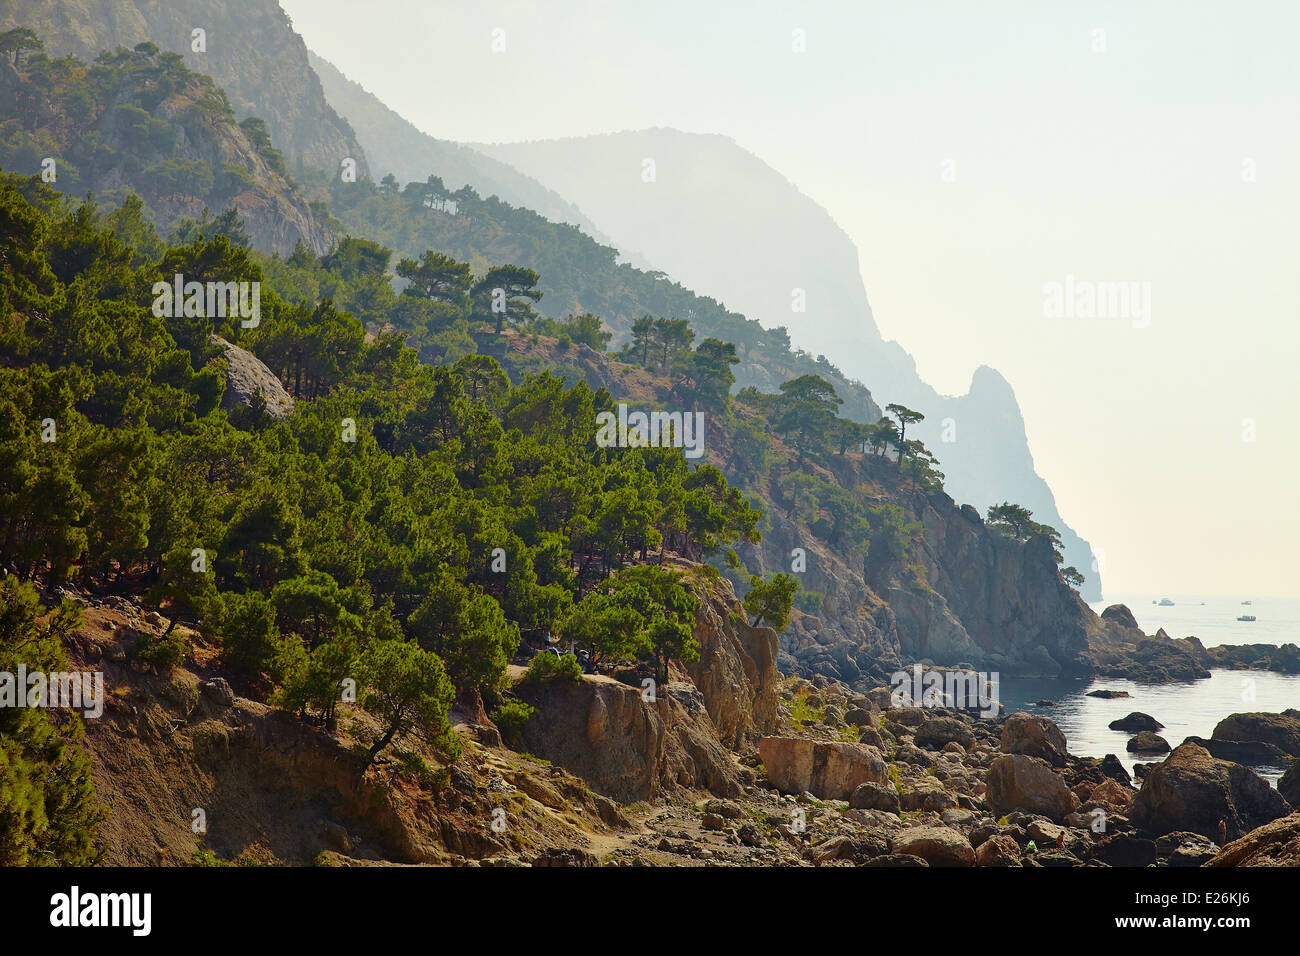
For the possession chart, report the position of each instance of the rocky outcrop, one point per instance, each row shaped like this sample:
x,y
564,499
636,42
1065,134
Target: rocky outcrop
x,y
736,673
625,746
1282,659
1017,782
1289,785
250,383
252,52
1276,844
1146,742
831,770
1281,731
1192,790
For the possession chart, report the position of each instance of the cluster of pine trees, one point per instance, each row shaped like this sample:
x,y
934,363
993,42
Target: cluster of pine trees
x,y
407,525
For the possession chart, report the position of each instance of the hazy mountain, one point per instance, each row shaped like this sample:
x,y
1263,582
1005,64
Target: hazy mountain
x,y
251,52
720,220
395,146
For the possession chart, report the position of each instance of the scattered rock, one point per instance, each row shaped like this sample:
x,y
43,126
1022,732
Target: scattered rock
x,y
1109,694
1125,849
938,846
938,731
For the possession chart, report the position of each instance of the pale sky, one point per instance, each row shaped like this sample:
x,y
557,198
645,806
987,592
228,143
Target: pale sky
x,y
1128,163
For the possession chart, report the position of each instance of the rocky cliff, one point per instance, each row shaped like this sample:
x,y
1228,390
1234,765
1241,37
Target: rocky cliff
x,y
250,50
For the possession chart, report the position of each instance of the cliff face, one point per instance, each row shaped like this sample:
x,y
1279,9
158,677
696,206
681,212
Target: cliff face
x,y
633,748
252,53
142,122
721,221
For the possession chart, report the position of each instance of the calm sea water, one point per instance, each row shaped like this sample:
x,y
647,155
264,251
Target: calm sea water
x,y
1186,709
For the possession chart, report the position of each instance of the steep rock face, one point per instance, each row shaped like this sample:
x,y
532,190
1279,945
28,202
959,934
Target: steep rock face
x,y
753,238
736,674
1009,598
626,747
192,129
252,53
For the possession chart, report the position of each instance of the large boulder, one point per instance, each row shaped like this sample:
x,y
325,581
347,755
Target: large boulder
x,y
1192,790
938,846
1289,785
250,383
1034,736
1274,844
831,770
1280,730
937,731
1019,782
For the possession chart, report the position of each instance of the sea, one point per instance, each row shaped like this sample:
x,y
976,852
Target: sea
x,y
1186,709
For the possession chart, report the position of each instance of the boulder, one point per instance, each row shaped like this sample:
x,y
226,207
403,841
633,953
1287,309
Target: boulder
x,y
1289,785
935,732
1119,614
1146,742
1192,790
1111,767
875,796
1281,730
831,770
218,691
1125,849
1109,694
1181,849
1019,782
1253,753
1034,736
938,846
998,850
1135,722
1112,793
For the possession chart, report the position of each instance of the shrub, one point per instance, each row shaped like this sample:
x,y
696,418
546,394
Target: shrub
x,y
512,717
546,666
163,653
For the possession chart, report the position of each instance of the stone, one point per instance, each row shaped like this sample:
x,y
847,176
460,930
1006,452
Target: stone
x,y
1020,782
1125,849
1109,694
831,770
1111,767
1044,832
875,796
713,821
1034,736
998,850
218,691
1192,790
935,732
938,846
1146,742
1289,785
1183,849
1112,793
1281,730
1274,844
1135,722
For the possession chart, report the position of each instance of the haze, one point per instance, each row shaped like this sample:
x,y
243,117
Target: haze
x,y
1164,150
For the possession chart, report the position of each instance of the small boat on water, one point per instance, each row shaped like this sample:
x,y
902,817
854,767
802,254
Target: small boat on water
x,y
1246,617
1245,602
1165,602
